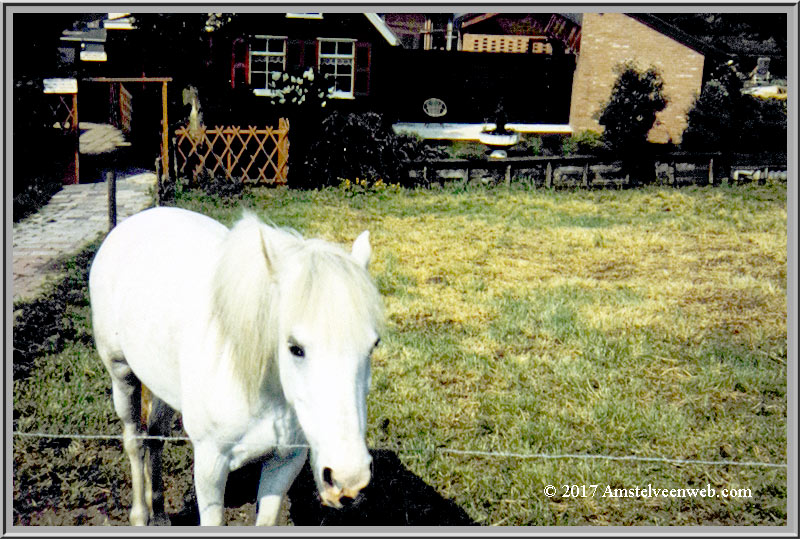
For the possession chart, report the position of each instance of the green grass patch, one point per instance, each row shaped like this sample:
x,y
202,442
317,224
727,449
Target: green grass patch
x,y
648,322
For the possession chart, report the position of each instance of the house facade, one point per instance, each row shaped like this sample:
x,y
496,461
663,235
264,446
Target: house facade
x,y
587,47
610,39
348,48
475,63
546,70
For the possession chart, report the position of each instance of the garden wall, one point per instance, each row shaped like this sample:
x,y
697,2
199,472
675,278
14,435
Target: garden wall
x,y
675,169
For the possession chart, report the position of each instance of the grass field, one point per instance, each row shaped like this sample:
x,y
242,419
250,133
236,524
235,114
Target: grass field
x,y
648,322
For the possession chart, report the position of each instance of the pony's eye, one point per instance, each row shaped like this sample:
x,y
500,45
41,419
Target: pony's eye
x,y
296,350
374,346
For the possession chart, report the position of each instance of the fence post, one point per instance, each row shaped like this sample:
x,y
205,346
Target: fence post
x,y
111,180
585,178
548,176
711,172
76,129
164,129
283,151
175,158
228,141
159,181
508,174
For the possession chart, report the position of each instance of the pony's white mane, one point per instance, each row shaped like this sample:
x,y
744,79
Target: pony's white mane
x,y
250,298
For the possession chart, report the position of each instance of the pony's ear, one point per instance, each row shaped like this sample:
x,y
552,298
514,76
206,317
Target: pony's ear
x,y
269,253
362,251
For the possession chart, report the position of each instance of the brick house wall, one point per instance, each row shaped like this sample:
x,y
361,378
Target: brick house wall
x,y
609,39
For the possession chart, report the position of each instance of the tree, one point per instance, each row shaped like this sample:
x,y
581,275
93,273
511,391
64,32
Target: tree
x,y
724,119
631,110
714,119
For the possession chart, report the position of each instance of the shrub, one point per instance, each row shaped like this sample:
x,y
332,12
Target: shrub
x,y
631,110
724,119
219,185
711,120
528,145
358,145
36,180
30,194
463,149
584,143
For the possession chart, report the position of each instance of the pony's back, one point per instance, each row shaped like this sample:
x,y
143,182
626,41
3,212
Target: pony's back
x,y
145,287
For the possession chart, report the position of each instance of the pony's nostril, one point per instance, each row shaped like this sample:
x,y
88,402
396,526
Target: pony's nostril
x,y
327,476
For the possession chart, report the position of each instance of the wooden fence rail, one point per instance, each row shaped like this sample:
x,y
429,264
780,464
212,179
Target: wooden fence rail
x,y
249,154
590,171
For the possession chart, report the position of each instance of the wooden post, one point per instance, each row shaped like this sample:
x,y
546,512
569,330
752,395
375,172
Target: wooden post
x,y
174,158
548,177
159,181
283,152
164,129
111,180
508,174
711,172
585,178
77,130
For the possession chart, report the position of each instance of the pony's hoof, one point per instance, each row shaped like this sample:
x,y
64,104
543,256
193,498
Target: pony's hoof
x,y
138,518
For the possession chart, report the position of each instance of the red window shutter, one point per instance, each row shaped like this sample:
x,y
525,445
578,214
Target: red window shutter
x,y
363,68
240,63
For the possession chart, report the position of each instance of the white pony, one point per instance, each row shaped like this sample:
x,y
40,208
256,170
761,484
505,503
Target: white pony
x,y
260,338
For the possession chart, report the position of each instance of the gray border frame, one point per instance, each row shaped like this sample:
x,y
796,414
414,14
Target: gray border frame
x,y
791,529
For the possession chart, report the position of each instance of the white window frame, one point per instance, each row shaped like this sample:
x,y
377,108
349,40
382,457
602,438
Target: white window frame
x,y
340,94
267,91
317,16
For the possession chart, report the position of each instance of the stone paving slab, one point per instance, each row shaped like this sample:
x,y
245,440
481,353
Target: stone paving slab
x,y
74,217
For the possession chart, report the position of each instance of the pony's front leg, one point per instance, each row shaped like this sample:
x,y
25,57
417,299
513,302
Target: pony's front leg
x,y
210,475
277,475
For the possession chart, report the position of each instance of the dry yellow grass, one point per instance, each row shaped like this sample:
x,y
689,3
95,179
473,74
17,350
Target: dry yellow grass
x,y
645,322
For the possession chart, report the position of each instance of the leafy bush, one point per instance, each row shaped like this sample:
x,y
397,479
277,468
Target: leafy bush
x,y
32,194
584,143
219,185
36,180
631,110
528,145
298,90
463,149
724,119
765,128
747,125
711,120
358,145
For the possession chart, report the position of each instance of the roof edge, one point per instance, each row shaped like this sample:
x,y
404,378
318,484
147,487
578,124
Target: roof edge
x,y
381,26
676,33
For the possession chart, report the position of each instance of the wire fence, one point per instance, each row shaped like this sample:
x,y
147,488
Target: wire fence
x,y
444,450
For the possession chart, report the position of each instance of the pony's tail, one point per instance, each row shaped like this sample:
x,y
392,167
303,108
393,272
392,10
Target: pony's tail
x,y
242,298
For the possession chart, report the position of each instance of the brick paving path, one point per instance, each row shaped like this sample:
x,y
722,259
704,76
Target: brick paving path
x,y
75,216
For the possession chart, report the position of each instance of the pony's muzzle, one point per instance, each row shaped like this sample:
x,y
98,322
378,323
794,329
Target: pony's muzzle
x,y
338,491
